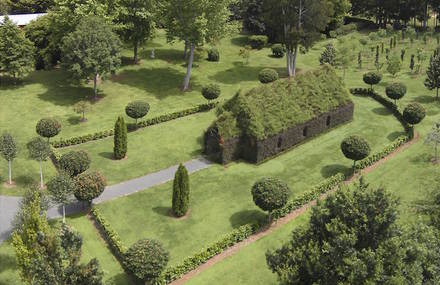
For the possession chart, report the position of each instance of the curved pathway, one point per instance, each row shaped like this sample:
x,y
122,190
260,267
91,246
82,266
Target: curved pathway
x,y
9,206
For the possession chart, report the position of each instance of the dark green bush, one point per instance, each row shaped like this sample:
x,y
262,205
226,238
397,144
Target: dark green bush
x,y
137,109
120,139
181,192
355,148
146,259
395,91
74,163
372,78
213,55
328,55
268,75
48,128
258,42
414,113
89,186
211,91
278,50
270,194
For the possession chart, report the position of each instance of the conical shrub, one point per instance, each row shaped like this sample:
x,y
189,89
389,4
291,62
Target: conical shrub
x,y
120,145
181,192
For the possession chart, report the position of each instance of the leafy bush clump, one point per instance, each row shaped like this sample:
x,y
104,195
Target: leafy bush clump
x,y
213,55
372,78
270,194
414,113
328,55
268,75
48,128
137,109
258,42
74,163
146,259
395,91
211,91
355,148
278,50
89,186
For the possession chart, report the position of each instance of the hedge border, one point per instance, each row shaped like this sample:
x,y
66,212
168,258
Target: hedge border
x,y
142,124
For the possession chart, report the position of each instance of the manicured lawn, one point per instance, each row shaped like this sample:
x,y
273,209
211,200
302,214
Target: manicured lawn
x,y
8,268
220,196
150,149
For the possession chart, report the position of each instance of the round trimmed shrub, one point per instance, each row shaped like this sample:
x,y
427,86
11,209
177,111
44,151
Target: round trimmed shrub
x,y
355,148
213,55
137,109
146,259
74,163
48,128
211,91
268,75
278,50
414,113
258,42
270,194
89,186
395,91
372,78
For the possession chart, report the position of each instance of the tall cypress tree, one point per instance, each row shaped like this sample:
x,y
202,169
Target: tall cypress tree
x,y
120,137
432,80
181,192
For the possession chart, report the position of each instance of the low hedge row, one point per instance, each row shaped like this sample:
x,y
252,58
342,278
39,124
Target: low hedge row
x,y
310,195
246,231
372,159
109,234
142,124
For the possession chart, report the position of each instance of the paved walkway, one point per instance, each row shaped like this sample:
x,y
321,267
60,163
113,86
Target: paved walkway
x,y
9,206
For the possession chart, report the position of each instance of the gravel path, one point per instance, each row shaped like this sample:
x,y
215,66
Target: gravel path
x,y
9,206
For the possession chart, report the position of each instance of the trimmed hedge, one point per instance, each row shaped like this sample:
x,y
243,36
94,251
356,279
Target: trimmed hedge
x,y
110,235
143,124
258,42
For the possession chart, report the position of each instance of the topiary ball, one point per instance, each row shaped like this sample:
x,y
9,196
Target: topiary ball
x,y
211,91
372,78
146,259
74,163
213,55
270,194
268,75
355,148
395,91
137,109
414,113
48,127
258,42
89,186
278,50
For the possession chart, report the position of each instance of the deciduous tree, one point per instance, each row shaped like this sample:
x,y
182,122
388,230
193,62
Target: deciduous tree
x,y
40,151
8,149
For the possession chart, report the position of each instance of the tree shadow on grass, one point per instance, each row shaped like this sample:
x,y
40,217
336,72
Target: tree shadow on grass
x,y
26,181
246,217
240,41
163,211
382,111
422,158
425,99
7,262
333,169
172,56
74,120
160,82
121,278
394,135
107,155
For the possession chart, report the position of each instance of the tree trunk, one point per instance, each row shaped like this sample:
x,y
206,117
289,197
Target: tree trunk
x,y
64,214
436,152
436,97
185,51
135,56
289,67
293,61
354,167
10,172
95,86
41,176
189,68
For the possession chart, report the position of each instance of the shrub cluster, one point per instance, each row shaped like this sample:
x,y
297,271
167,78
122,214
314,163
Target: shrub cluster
x,y
109,234
396,90
372,78
48,127
268,75
258,42
278,50
74,163
414,113
137,109
211,91
89,186
150,122
270,194
213,55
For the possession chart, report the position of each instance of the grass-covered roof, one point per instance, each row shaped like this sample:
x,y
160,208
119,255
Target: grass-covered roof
x,y
270,109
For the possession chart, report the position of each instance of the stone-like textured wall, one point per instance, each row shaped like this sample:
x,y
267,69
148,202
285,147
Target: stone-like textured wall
x,y
256,151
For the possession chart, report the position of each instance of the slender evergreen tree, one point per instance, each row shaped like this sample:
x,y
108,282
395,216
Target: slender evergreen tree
x,y
181,192
120,139
432,80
